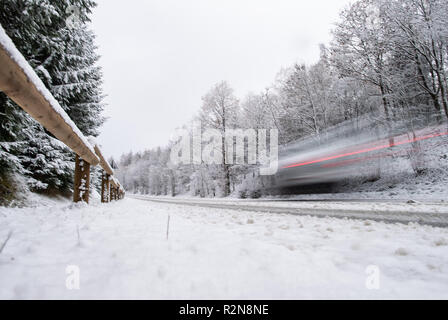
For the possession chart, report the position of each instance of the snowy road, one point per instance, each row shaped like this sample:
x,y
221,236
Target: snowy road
x,y
434,214
122,251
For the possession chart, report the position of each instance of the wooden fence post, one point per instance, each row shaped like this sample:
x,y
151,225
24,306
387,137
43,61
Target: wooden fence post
x,y
108,187
104,187
82,180
112,191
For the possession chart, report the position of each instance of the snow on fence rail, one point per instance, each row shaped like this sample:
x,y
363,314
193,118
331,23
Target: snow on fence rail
x,y
19,82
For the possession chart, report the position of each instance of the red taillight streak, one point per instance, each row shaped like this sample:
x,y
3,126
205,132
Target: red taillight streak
x,y
350,161
367,150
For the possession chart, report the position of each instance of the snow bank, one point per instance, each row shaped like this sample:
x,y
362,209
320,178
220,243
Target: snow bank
x,y
122,251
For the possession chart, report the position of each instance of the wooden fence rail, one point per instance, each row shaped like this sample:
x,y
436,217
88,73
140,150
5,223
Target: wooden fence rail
x,y
19,82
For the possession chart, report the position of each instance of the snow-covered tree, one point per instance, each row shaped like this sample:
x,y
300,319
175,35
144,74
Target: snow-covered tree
x,y
64,57
220,111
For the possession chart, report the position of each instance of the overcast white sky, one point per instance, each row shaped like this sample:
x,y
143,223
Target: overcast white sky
x,y
159,57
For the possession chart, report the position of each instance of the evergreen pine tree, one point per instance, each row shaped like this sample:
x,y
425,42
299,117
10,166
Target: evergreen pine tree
x,y
64,57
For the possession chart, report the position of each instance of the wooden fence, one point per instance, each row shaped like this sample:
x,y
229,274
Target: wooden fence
x,y
19,82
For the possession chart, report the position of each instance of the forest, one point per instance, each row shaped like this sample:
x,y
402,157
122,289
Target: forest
x,y
387,62
64,56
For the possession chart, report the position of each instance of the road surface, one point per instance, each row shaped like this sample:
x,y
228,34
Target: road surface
x,y
434,214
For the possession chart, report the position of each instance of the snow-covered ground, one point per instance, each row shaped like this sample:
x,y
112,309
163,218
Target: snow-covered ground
x,y
122,251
